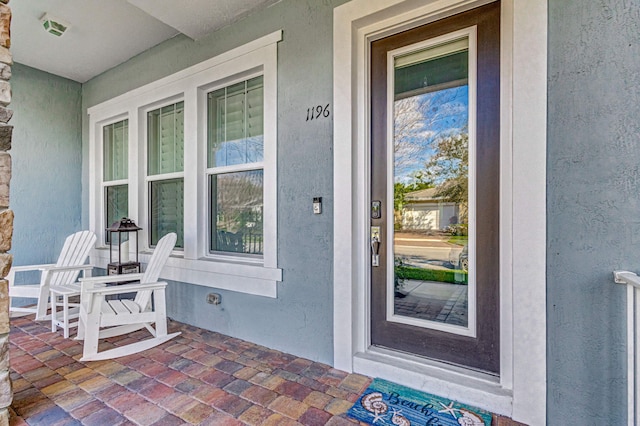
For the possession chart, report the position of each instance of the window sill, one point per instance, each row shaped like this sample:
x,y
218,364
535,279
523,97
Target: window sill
x,y
242,277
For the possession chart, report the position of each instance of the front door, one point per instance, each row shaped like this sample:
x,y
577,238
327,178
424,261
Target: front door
x,y
435,120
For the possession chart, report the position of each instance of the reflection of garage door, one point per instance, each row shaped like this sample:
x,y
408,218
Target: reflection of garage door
x,y
421,218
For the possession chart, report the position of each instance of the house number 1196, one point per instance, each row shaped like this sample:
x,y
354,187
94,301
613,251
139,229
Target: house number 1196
x,y
317,111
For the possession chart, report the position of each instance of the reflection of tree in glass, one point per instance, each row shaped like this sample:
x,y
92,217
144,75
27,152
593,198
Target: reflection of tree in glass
x,y
241,151
240,201
419,121
431,147
448,168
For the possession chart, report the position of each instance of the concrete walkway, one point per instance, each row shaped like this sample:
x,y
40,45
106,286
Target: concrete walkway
x,y
434,301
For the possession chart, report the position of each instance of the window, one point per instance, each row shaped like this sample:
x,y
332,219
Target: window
x,y
115,166
201,162
235,167
165,166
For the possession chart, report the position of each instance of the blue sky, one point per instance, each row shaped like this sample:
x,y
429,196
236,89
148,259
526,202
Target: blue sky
x,y
420,121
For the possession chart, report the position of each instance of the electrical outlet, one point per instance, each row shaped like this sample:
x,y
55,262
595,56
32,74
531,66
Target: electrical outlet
x,y
214,299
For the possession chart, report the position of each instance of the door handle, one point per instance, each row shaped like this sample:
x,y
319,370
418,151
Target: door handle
x,y
375,246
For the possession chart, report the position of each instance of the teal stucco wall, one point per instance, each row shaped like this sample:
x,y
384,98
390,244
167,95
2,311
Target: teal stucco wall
x,y
300,320
46,182
593,204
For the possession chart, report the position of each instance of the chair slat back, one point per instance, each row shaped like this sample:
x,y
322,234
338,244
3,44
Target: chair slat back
x,y
74,252
154,268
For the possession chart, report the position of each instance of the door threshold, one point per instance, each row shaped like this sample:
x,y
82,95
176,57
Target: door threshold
x,y
467,386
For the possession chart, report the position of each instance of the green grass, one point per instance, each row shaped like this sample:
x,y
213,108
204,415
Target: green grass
x,y
460,240
439,275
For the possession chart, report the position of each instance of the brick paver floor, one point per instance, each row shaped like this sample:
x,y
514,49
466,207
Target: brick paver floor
x,y
198,378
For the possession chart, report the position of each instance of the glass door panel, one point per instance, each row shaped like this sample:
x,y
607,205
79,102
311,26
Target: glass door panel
x,y
431,210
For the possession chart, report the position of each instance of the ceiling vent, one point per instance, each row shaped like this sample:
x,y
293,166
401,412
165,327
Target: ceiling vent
x,y
54,26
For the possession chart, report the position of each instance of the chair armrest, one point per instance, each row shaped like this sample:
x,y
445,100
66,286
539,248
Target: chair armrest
x,y
54,268
112,278
126,288
11,276
48,271
25,268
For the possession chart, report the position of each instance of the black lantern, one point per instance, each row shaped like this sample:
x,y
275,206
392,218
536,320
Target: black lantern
x,y
123,226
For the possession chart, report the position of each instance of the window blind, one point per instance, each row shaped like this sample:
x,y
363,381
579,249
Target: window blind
x,y
116,205
167,210
115,146
236,124
166,155
166,139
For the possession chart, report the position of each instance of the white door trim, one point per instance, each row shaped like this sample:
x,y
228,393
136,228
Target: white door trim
x,y
520,391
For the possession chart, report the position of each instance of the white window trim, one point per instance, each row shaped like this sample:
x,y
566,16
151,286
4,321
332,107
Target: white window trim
x,y
191,85
520,391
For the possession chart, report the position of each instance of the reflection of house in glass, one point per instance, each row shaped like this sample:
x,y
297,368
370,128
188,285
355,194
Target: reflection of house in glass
x,y
424,210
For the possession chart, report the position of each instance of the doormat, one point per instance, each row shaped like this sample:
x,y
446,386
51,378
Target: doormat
x,y
387,403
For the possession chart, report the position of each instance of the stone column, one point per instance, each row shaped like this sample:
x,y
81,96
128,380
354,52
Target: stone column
x,y
6,215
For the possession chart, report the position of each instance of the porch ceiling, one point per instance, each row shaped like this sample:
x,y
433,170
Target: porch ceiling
x,y
103,34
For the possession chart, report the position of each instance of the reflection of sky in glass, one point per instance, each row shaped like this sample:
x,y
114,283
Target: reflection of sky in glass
x,y
420,121
239,151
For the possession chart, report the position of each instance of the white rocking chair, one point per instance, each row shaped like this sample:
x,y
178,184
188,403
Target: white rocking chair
x,y
101,318
64,272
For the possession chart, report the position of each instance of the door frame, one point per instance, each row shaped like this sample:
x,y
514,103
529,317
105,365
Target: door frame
x,y
520,391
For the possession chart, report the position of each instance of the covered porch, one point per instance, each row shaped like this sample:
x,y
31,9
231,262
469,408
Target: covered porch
x,y
567,199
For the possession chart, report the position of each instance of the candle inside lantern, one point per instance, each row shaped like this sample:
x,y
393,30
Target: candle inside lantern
x,y
124,251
